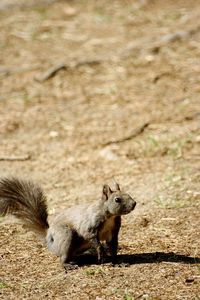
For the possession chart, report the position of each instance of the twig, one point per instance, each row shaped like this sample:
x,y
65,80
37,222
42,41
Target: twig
x,y
136,132
51,72
15,158
90,62
24,5
54,70
149,45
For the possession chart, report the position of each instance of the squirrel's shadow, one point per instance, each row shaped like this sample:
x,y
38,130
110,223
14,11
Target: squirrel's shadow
x,y
142,258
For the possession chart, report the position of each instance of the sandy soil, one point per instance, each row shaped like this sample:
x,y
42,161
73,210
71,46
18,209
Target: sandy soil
x,y
125,104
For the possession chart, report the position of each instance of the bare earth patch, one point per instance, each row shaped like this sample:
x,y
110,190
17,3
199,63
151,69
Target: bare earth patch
x,y
96,90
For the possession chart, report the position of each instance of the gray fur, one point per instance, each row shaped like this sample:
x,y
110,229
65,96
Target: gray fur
x,y
26,201
75,229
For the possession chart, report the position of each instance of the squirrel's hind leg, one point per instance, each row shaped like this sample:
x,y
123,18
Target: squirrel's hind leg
x,y
60,241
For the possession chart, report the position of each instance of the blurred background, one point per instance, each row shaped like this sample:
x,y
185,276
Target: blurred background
x,y
95,90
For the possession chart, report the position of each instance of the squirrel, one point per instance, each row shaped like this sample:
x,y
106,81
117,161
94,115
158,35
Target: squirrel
x,y
75,229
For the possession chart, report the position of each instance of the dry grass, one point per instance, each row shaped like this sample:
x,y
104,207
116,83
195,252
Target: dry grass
x,y
61,125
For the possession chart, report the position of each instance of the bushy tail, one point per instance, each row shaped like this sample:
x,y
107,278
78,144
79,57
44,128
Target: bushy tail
x,y
26,201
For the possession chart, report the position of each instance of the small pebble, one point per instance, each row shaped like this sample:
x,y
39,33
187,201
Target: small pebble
x,y
53,134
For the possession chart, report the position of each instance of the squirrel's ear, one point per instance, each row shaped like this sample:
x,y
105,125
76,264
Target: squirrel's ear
x,y
106,192
116,186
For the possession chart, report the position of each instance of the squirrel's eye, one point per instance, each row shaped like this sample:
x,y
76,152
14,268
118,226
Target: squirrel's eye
x,y
118,200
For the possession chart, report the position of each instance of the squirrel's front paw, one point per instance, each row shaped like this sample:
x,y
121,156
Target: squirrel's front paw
x,y
101,255
70,266
121,265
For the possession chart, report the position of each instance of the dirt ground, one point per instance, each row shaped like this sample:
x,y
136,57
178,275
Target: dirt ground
x,y
91,91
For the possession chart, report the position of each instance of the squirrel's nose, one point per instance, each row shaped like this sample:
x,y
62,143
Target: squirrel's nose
x,y
133,204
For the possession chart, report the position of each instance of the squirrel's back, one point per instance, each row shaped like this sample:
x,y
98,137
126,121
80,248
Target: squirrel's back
x,y
25,200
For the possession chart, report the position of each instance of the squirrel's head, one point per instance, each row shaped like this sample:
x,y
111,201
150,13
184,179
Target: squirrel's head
x,y
117,202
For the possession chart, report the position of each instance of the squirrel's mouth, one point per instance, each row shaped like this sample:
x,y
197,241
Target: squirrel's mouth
x,y
131,208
